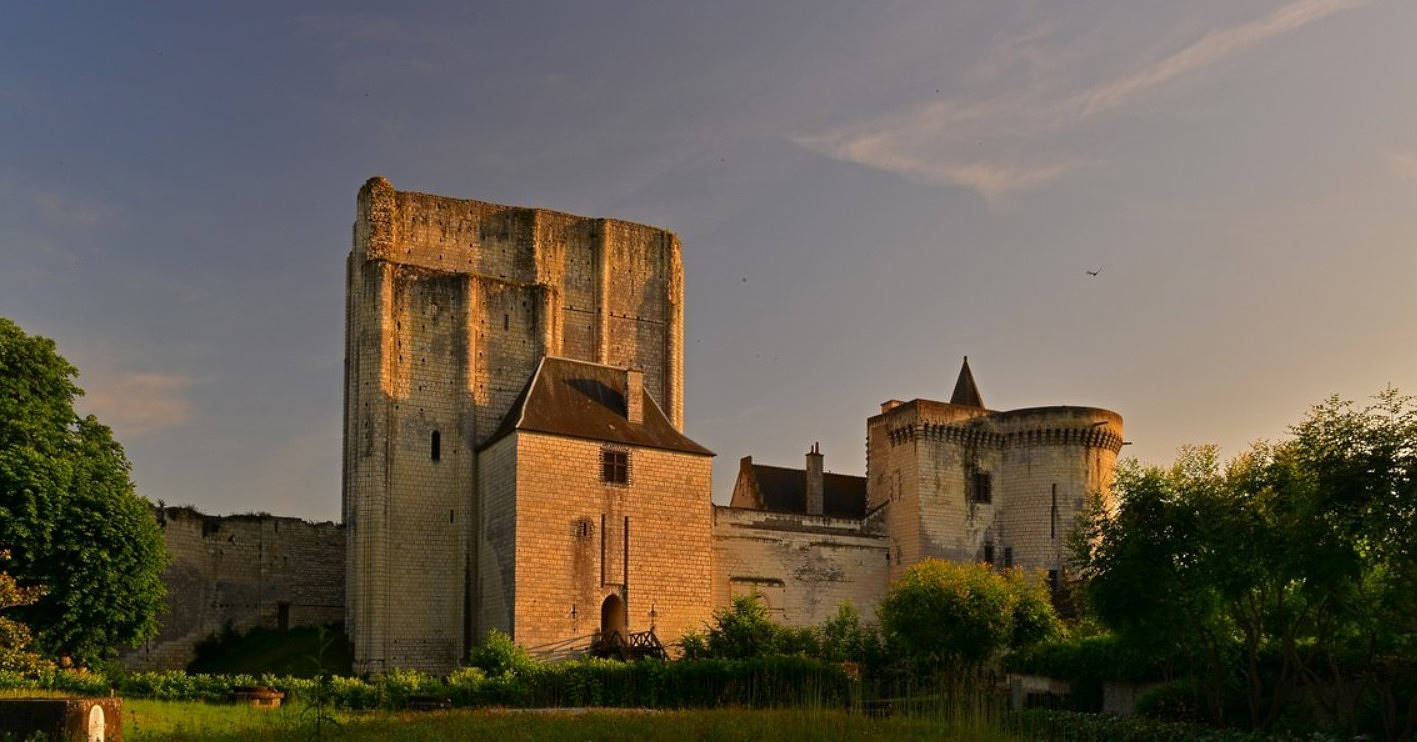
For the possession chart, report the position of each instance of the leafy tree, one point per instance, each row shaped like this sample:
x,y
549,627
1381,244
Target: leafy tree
x,y
68,510
1034,620
846,638
15,638
959,616
1291,568
741,630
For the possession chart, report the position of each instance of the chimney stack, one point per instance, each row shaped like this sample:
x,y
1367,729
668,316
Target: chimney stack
x,y
634,395
815,492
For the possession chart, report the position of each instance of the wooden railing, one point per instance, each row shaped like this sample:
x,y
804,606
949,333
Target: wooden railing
x,y
638,645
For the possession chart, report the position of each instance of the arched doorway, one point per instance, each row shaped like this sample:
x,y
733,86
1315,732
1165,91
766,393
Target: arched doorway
x,y
612,620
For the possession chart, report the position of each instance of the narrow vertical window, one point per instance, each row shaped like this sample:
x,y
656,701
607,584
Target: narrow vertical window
x,y
437,450
1053,514
988,552
506,322
1008,557
981,488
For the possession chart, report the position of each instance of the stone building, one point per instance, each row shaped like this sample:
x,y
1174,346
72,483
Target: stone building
x,y
452,307
595,513
950,480
801,539
966,483
514,454
515,459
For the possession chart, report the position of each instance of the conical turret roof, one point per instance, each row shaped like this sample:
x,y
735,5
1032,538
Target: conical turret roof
x,y
966,393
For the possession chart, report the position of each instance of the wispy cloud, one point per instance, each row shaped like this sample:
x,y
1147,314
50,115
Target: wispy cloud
x,y
1210,49
69,211
1403,164
138,403
964,141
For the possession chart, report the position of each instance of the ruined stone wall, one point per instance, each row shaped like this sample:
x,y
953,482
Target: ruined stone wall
x,y
802,566
238,570
573,549
451,303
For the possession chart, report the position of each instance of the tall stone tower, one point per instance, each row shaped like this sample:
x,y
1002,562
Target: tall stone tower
x,y
450,306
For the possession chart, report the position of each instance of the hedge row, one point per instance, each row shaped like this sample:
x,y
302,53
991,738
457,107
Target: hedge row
x,y
758,683
1071,726
1094,658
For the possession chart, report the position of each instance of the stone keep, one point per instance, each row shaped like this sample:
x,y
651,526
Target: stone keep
x,y
451,305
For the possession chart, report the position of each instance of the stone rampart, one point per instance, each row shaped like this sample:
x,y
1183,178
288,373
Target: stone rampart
x,y
241,571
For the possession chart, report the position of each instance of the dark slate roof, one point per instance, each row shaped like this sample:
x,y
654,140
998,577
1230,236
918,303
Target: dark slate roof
x,y
587,400
966,393
785,491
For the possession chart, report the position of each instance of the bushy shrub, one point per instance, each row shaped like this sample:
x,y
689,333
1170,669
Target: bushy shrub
x,y
1034,618
499,655
1173,701
1092,658
1069,726
846,638
758,682
963,614
741,630
304,651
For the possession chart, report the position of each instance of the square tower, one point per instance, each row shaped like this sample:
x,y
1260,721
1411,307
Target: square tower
x,y
451,305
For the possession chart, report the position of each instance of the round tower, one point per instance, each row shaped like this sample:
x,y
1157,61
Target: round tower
x,y
1052,459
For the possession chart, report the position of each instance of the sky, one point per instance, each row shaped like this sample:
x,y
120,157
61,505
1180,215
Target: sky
x,y
865,194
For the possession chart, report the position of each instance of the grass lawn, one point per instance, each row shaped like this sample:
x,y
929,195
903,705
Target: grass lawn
x,y
171,720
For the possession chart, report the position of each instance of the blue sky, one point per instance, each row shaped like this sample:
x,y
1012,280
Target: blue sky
x,y
865,193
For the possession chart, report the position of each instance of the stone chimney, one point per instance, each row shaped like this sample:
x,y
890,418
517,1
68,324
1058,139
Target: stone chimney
x,y
815,492
635,395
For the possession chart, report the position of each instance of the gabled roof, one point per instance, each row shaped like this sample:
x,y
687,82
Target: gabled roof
x,y
966,393
784,490
580,399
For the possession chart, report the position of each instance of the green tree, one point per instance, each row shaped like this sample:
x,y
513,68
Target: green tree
x,y
742,629
68,511
960,616
846,638
1292,568
15,638
1034,619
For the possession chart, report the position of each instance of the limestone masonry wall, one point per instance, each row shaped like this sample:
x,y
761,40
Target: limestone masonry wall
x,y
573,549
239,570
802,566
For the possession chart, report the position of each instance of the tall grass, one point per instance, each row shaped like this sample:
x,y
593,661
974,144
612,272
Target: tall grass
x,y
166,720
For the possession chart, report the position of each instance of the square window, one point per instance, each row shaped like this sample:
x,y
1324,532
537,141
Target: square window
x,y
614,466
